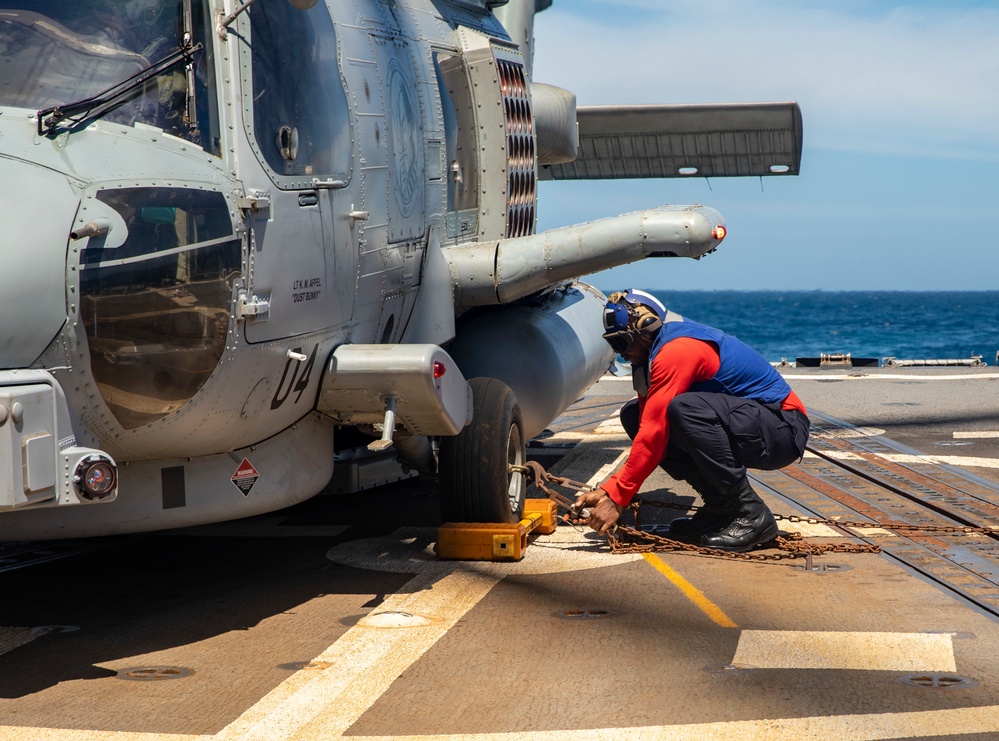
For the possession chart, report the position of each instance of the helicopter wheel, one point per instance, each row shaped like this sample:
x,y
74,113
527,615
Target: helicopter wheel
x,y
476,482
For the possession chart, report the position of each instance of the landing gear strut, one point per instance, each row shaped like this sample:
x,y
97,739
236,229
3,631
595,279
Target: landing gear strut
x,y
476,479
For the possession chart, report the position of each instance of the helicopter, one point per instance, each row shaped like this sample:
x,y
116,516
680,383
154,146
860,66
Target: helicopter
x,y
255,234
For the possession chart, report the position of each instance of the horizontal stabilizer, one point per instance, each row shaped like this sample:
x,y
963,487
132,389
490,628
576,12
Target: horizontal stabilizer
x,y
674,141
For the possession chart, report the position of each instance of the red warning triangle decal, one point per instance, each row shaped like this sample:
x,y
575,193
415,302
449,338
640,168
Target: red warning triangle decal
x,y
245,477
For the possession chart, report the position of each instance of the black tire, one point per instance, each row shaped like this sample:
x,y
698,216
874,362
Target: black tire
x,y
475,479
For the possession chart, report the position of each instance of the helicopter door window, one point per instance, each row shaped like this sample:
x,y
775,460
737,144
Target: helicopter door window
x,y
156,309
300,125
56,52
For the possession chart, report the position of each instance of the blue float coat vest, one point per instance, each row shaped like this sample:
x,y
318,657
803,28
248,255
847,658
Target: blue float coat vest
x,y
743,371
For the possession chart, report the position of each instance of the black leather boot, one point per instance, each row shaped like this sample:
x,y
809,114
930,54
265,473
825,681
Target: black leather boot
x,y
717,512
754,523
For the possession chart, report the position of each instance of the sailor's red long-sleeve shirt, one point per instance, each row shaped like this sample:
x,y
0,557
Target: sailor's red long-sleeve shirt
x,y
680,363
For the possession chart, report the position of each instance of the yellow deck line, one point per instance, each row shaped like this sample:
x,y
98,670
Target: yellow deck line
x,y
694,594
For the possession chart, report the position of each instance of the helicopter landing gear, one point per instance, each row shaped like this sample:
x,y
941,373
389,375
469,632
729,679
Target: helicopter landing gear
x,y
476,480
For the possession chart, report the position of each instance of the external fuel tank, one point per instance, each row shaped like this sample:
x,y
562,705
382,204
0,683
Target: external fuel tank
x,y
548,349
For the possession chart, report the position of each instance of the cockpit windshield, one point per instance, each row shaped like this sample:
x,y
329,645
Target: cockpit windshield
x,y
55,52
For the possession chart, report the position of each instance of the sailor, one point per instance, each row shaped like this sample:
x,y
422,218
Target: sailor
x,y
708,407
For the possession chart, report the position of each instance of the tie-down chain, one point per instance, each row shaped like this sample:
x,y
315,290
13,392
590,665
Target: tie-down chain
x,y
626,539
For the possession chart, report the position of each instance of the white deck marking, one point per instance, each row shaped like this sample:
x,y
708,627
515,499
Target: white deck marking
x,y
892,377
873,727
976,434
874,531
846,433
961,461
364,662
809,530
799,649
410,550
605,471
610,426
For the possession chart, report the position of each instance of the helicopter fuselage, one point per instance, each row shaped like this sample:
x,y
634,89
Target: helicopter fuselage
x,y
223,256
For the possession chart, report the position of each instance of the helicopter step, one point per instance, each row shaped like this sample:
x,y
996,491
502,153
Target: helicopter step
x,y
496,541
417,384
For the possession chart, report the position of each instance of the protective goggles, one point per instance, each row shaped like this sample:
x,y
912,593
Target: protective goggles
x,y
620,341
617,327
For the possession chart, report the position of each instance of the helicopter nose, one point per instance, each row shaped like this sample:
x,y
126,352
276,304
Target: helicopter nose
x,y
39,206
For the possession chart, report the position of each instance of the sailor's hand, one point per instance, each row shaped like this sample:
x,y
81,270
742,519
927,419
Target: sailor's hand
x,y
604,513
587,500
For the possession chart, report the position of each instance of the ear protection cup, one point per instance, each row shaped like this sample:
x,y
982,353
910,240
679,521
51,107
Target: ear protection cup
x,y
644,320
649,324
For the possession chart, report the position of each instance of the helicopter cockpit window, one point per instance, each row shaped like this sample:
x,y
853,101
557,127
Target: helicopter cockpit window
x,y
156,309
55,52
300,122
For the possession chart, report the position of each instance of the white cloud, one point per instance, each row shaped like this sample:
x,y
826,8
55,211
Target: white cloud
x,y
910,80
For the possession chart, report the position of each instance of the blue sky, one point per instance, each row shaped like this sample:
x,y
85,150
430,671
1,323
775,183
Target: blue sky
x,y
899,183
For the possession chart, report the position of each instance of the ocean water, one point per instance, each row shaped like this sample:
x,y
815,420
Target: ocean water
x,y
910,325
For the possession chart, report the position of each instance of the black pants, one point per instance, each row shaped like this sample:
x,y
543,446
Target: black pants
x,y
715,437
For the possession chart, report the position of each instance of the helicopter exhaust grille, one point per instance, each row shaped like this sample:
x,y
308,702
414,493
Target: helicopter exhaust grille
x,y
521,169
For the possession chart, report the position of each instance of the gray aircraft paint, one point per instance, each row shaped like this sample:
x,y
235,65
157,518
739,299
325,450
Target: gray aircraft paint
x,y
363,172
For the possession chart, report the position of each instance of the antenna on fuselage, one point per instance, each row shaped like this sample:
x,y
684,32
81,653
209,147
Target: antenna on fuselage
x,y
225,21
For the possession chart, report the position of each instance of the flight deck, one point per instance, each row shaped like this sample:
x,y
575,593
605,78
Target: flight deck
x,y
336,619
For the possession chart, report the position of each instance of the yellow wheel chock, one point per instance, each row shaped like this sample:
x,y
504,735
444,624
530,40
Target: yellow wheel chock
x,y
496,541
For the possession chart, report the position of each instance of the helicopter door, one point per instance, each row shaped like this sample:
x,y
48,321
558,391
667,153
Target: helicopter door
x,y
387,83
462,165
302,267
